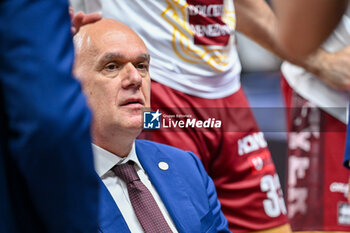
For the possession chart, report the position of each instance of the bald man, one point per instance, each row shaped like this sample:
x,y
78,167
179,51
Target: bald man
x,y
112,64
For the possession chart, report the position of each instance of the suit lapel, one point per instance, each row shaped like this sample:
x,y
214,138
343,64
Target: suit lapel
x,y
170,188
110,218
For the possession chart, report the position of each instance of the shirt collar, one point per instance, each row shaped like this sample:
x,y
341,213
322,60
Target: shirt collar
x,y
105,160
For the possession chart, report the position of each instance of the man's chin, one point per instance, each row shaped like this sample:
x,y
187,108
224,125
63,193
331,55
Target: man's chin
x,y
131,122
134,132
134,125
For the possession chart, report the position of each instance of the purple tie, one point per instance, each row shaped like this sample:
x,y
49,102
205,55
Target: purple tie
x,y
145,207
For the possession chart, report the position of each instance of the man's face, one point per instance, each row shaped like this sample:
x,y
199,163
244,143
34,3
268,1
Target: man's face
x,y
113,67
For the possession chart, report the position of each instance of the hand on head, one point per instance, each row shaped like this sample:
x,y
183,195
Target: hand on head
x,y
80,19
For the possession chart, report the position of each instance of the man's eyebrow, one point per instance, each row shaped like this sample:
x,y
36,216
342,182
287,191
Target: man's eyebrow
x,y
145,56
112,56
108,57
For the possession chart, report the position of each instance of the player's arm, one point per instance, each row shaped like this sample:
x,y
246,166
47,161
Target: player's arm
x,y
304,25
256,20
331,68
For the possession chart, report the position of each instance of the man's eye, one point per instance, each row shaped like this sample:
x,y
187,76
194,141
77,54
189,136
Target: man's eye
x,y
142,66
111,67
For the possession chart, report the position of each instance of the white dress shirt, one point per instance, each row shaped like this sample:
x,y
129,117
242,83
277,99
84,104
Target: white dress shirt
x,y
104,162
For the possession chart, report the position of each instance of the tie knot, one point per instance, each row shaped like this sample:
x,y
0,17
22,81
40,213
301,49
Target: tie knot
x,y
126,172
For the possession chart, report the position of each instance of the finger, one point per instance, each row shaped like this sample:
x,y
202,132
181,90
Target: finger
x,y
91,18
78,18
77,22
73,30
71,12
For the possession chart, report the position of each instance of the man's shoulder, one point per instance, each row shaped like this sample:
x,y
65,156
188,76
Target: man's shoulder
x,y
157,145
164,149
186,161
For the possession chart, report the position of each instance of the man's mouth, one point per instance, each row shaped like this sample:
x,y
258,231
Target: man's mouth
x,y
132,102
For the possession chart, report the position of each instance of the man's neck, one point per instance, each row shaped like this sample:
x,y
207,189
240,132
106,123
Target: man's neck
x,y
120,146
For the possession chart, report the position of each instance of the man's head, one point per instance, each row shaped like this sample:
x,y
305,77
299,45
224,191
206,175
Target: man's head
x,y
112,63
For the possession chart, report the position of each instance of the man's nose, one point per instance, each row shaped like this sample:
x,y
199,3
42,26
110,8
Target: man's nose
x,y
131,77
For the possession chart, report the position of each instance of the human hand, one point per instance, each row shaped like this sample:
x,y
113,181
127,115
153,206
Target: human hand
x,y
331,68
80,19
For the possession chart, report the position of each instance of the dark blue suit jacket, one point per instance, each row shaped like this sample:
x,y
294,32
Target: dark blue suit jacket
x,y
185,188
47,180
